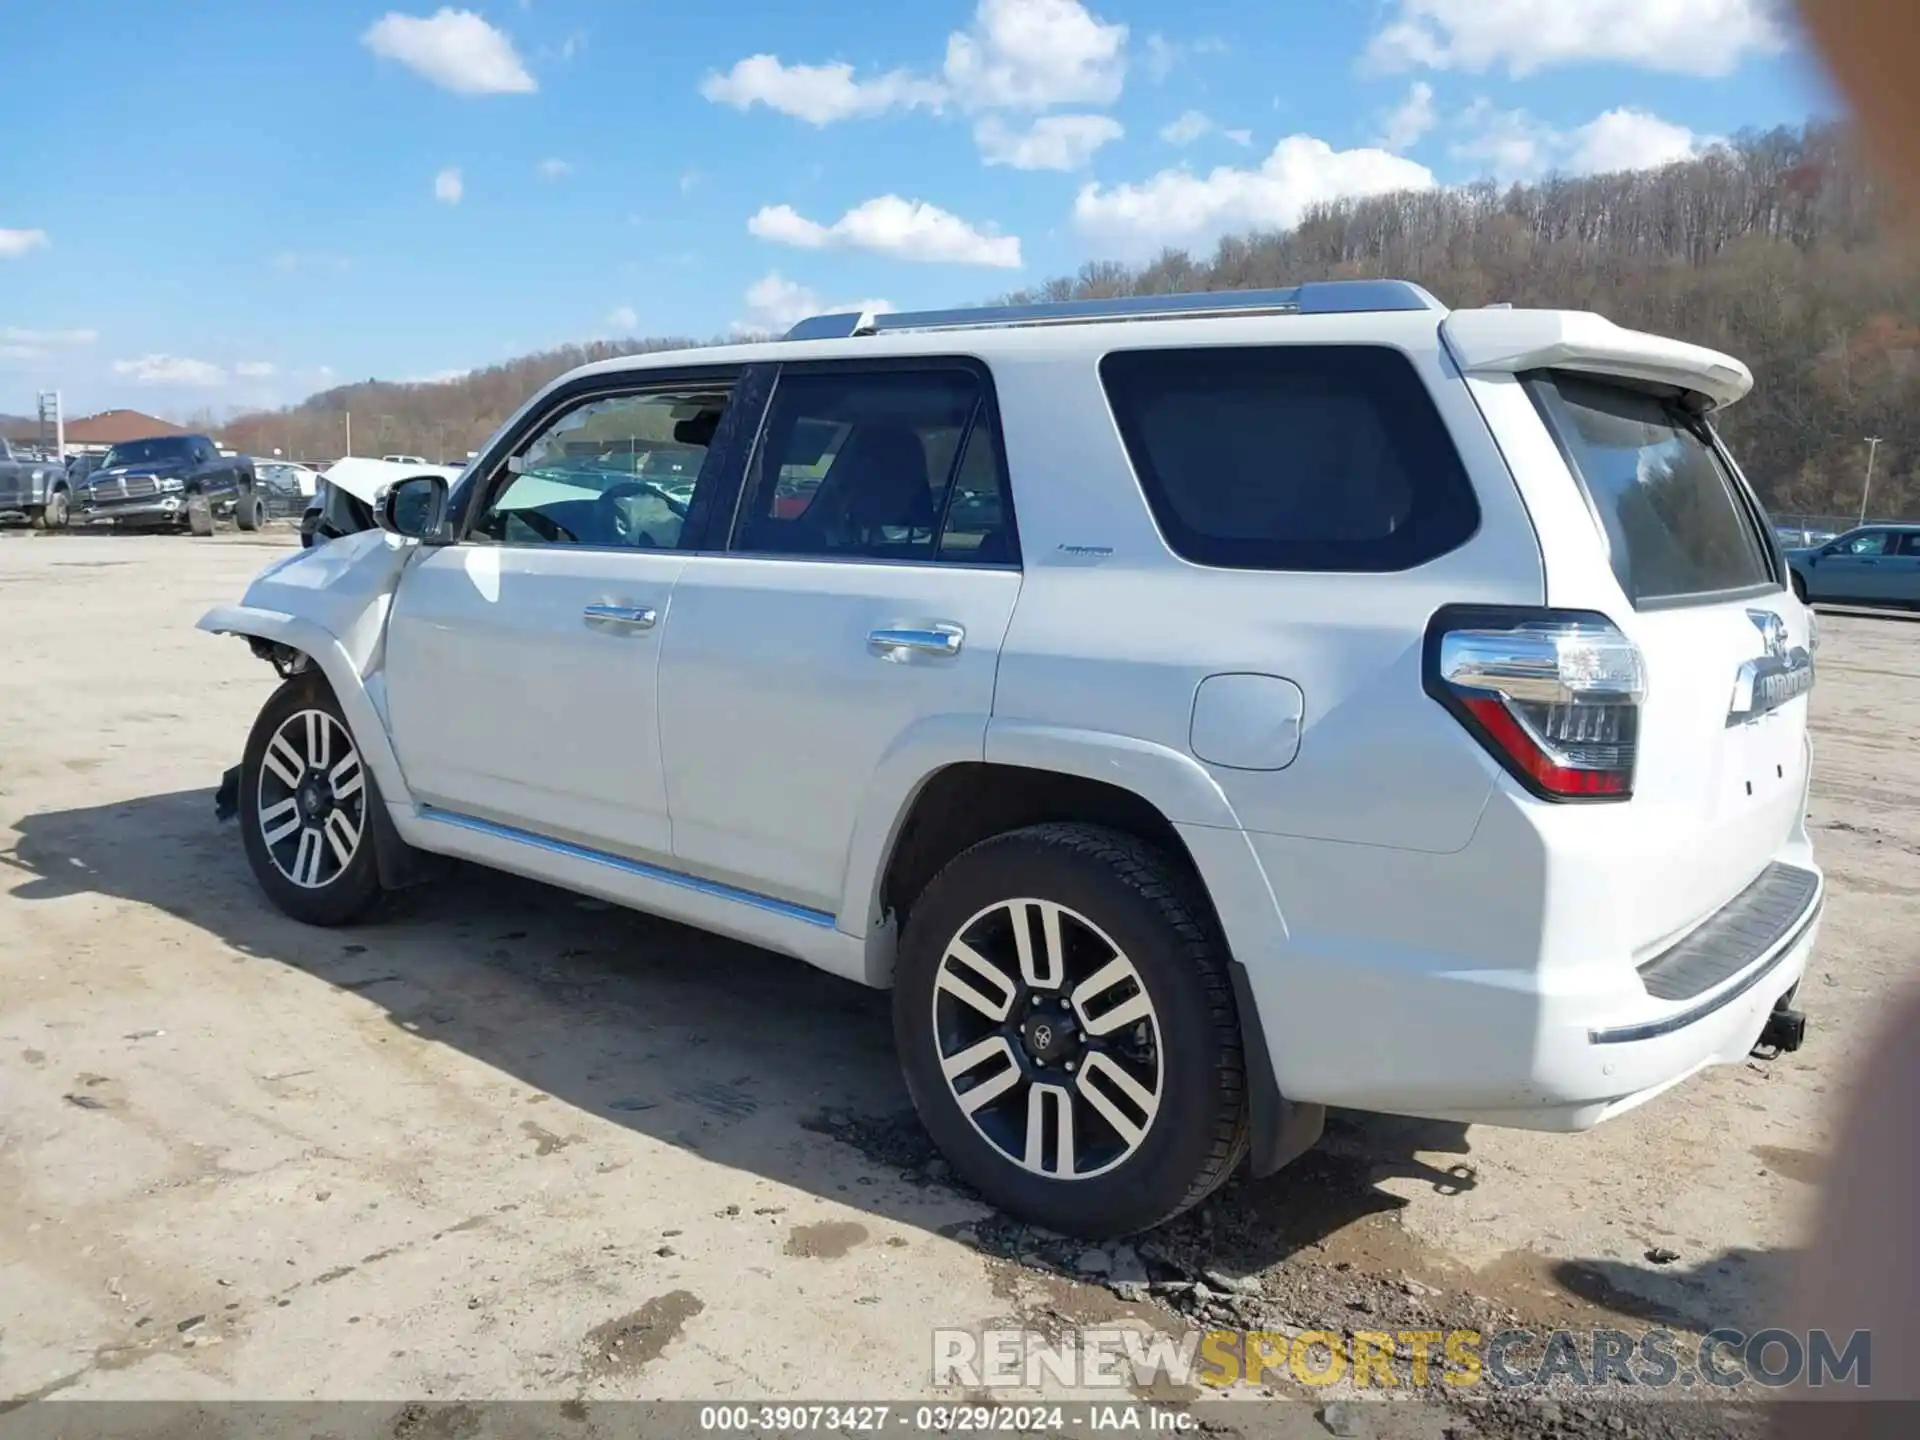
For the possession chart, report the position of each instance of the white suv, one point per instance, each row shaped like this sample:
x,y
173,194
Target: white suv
x,y
1200,710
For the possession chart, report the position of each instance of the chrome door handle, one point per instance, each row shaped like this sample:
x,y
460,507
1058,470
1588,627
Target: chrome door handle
x,y
634,617
931,640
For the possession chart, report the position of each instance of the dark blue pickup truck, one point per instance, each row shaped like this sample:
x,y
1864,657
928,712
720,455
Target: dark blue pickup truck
x,y
170,482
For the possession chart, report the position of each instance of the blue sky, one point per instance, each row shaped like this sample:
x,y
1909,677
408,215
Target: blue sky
x,y
227,204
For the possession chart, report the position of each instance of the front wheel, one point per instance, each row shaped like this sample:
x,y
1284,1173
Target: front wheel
x,y
306,807
250,511
1067,1027
54,514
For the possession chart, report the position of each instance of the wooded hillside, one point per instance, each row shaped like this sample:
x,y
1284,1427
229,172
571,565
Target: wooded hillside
x,y
1777,249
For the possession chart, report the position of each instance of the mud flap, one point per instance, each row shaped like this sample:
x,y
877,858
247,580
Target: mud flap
x,y
226,800
1279,1130
400,865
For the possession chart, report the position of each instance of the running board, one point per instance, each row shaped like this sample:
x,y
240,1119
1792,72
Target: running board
x,y
796,930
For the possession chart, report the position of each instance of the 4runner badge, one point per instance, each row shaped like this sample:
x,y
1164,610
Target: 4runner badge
x,y
1780,673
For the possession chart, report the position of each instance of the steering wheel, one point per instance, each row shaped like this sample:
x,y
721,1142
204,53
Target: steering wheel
x,y
626,488
621,523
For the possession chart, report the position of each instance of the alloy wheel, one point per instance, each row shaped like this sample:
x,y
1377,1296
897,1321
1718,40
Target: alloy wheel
x,y
1048,1039
311,804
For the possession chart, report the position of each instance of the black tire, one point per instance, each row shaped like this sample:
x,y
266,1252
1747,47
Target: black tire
x,y
54,514
336,893
199,516
1149,908
1800,587
250,511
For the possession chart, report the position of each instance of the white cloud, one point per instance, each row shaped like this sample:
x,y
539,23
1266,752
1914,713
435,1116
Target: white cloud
x,y
1507,145
171,370
905,229
1511,145
48,339
776,304
1687,37
623,318
818,94
1032,54
15,243
1179,207
1194,125
1631,140
553,169
1016,55
1411,119
1186,129
1162,56
256,369
1053,142
455,49
448,187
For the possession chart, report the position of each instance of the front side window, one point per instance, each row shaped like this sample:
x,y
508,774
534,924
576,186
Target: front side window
x,y
1291,457
1866,542
1676,522
861,464
618,471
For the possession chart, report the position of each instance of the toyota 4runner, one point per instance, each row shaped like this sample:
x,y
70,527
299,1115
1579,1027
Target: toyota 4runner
x,y
1199,710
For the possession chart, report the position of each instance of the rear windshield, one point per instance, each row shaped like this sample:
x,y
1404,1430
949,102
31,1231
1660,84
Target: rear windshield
x,y
1676,521
1291,457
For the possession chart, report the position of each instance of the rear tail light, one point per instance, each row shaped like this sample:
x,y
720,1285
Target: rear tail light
x,y
1553,695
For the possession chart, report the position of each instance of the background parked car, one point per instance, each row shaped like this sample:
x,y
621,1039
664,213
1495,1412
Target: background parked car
x,y
32,488
171,482
1871,565
285,485
80,466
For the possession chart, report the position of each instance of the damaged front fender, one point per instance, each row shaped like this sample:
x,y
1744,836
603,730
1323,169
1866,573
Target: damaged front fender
x,y
330,605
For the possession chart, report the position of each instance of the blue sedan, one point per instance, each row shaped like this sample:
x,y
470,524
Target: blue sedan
x,y
1871,565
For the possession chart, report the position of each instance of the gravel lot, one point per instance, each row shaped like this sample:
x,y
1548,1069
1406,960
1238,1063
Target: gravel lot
x,y
512,1144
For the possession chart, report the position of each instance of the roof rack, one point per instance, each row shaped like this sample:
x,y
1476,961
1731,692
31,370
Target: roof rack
x,y
1316,297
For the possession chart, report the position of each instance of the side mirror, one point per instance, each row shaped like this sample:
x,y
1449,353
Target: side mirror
x,y
414,508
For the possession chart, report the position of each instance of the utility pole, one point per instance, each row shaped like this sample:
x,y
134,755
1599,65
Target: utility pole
x,y
1873,444
349,415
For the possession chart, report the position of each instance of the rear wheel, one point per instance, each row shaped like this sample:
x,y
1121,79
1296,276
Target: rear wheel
x,y
250,511
1067,1028
306,807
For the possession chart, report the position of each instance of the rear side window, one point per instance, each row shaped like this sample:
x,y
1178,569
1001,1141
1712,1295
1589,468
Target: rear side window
x,y
1675,519
1295,457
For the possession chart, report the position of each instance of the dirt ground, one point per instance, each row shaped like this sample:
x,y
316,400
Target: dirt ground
x,y
512,1144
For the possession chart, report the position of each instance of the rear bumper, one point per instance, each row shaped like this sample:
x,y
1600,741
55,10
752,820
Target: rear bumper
x,y
1412,1029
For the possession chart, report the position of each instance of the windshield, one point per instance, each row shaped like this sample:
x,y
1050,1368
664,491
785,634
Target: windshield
x,y
145,452
1676,520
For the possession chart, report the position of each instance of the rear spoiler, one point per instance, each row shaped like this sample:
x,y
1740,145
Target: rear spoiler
x,y
1508,342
